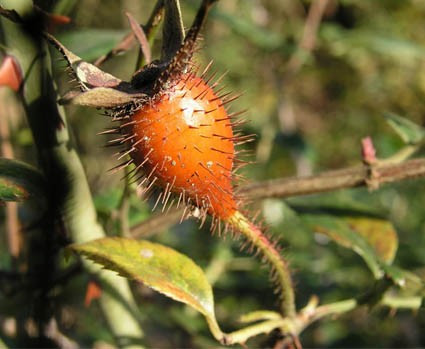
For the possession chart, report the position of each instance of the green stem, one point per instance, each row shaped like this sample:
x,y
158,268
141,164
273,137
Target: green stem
x,y
241,336
413,303
279,265
332,309
70,195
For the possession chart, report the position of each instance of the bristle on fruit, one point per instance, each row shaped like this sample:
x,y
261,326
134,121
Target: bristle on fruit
x,y
179,141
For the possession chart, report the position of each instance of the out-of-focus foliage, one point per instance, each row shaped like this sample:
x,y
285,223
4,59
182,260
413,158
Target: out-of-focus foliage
x,y
368,60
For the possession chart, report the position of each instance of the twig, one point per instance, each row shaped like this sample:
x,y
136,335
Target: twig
x,y
333,180
308,39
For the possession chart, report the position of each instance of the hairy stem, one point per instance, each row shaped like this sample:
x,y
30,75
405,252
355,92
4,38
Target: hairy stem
x,y
269,251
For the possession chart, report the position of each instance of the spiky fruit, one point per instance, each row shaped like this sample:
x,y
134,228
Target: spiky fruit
x,y
183,142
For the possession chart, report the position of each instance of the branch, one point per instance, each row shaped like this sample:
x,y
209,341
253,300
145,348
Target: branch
x,y
358,176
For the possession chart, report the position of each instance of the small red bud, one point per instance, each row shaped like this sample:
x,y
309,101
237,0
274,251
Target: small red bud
x,y
368,151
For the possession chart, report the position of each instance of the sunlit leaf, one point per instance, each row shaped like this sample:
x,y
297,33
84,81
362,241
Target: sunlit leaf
x,y
159,267
410,132
379,233
20,181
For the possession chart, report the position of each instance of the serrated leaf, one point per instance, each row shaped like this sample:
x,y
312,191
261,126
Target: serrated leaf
x,y
101,97
20,181
409,132
159,267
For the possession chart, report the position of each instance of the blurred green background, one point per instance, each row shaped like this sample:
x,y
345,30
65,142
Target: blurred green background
x,y
309,110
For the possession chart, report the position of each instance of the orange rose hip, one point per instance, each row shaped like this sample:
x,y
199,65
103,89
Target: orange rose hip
x,y
183,142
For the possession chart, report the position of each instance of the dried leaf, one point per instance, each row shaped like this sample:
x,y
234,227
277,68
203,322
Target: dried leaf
x,y
88,75
101,97
141,37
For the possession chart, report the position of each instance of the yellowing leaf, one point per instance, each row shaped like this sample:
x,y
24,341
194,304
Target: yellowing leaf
x,y
159,267
379,233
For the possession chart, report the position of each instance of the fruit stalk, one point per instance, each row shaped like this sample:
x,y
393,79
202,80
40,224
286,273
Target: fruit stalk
x,y
279,266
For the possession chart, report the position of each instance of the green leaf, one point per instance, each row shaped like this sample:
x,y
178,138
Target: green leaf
x,y
159,267
363,238
90,44
20,181
409,132
339,231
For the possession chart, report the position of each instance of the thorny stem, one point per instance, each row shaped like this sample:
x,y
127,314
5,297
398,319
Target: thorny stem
x,y
269,251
